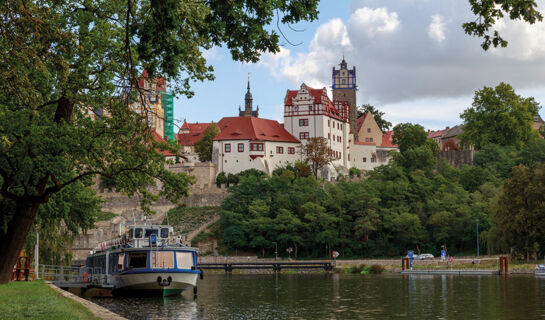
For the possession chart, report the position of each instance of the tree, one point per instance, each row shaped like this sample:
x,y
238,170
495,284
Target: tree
x,y
316,153
416,150
489,11
499,116
61,62
518,214
377,114
204,146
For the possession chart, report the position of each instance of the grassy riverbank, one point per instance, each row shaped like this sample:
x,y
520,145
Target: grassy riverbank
x,y
36,300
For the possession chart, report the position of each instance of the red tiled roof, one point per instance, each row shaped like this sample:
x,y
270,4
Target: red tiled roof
x,y
360,121
318,94
387,140
156,137
195,133
252,128
436,134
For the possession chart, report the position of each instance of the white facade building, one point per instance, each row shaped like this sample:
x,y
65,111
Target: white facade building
x,y
250,142
309,113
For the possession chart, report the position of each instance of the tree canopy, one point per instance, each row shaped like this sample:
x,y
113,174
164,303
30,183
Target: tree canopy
x,y
204,146
61,63
499,116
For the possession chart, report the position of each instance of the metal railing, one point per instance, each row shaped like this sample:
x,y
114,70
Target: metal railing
x,y
68,274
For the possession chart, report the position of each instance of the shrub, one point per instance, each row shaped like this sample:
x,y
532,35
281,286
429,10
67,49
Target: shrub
x,y
354,172
376,269
356,269
221,179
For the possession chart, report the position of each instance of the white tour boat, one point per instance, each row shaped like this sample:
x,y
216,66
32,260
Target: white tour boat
x,y
147,261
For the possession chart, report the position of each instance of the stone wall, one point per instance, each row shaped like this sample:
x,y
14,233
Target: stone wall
x,y
128,210
458,158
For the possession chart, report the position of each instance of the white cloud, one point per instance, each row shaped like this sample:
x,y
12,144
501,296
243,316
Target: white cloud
x,y
374,22
436,29
402,71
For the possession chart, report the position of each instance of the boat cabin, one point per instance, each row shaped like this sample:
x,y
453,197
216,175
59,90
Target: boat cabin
x,y
146,236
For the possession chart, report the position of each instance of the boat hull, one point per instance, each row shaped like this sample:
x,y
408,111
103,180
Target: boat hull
x,y
154,283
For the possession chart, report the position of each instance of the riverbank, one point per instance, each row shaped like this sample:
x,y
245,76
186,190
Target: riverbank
x,y
389,265
39,300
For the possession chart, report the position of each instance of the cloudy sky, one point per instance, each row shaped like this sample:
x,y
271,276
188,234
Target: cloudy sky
x,y
413,62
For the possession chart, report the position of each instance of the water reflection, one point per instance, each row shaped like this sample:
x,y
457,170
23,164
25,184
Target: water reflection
x,y
339,296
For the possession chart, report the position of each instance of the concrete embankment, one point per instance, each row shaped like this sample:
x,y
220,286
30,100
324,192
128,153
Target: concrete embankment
x,y
97,310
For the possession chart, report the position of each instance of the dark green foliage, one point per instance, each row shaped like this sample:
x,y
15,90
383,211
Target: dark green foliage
x,y
204,146
221,179
496,159
354,172
533,153
518,215
499,116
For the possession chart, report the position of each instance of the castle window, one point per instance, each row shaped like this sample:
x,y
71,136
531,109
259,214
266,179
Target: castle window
x,y
303,122
256,146
368,129
329,136
373,158
291,150
241,147
344,81
366,139
329,123
333,137
304,135
370,139
227,147
309,108
364,159
279,149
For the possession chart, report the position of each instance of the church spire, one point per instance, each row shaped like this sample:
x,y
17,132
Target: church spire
x,y
248,105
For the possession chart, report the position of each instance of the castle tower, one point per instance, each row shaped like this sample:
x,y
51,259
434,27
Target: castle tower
x,y
248,107
344,89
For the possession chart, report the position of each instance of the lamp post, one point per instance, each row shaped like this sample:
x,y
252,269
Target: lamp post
x,y
275,250
477,238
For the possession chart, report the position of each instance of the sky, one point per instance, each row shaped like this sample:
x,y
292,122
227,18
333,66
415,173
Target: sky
x,y
412,58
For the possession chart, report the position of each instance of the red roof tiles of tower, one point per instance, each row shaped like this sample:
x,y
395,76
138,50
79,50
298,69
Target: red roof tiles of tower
x,y
252,128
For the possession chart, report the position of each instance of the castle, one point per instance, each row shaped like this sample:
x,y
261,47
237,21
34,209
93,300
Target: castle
x,y
248,141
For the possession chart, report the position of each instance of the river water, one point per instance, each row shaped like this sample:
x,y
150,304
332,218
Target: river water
x,y
339,296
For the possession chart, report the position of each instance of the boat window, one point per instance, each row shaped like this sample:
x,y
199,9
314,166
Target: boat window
x,y
162,259
120,261
149,232
184,260
131,233
138,260
138,233
164,233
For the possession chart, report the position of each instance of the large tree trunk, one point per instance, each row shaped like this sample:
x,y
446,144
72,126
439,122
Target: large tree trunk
x,y
13,241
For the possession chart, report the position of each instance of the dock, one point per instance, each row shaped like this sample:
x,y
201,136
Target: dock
x,y
274,266
456,272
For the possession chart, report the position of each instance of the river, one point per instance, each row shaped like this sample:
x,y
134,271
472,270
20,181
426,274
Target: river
x,y
339,296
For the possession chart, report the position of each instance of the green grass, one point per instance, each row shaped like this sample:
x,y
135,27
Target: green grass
x,y
105,216
36,300
187,219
